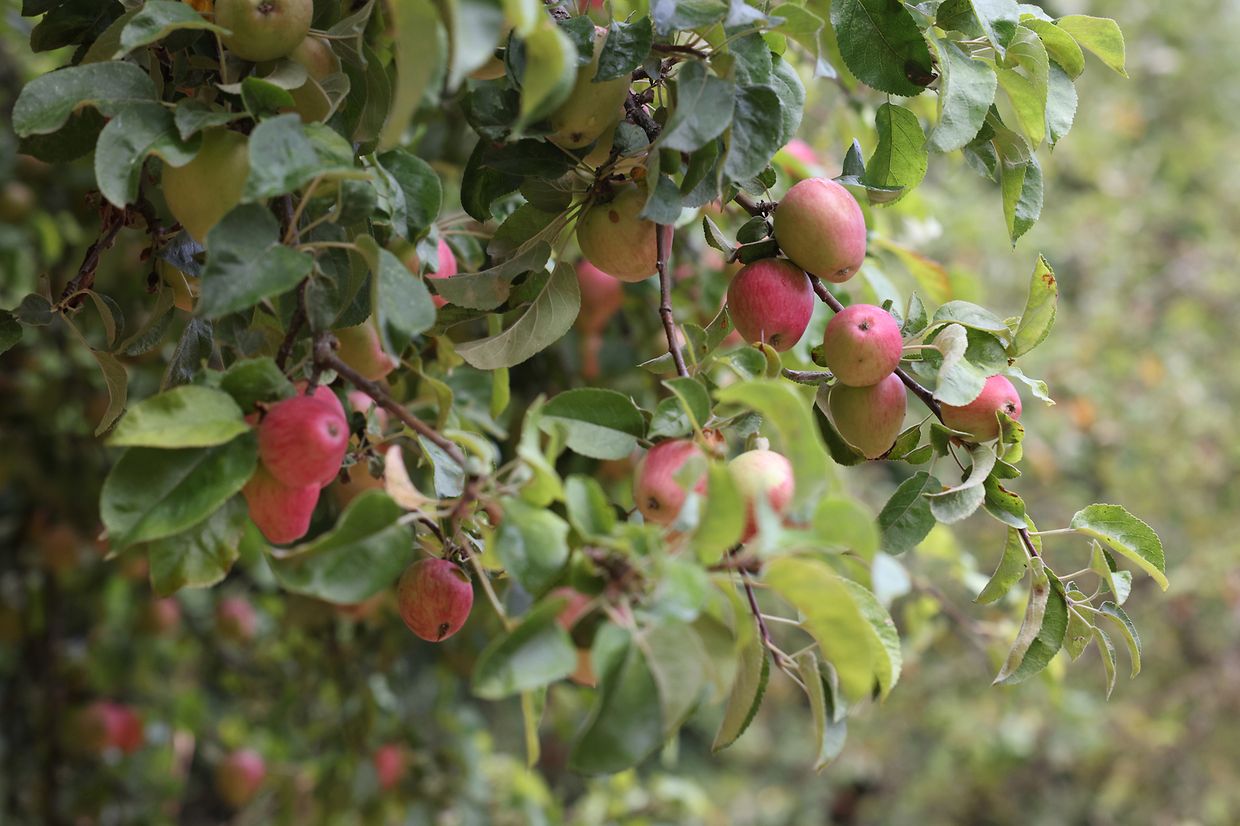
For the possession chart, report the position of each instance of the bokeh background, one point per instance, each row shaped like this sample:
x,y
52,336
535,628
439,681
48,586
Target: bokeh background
x,y
1141,220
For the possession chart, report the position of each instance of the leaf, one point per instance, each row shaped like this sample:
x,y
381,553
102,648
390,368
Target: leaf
x,y
899,160
1024,76
363,555
117,381
255,380
1060,46
152,493
1099,35
187,416
589,511
1010,571
246,263
626,47
798,437
1039,314
965,93
881,45
831,615
1126,535
1061,102
677,661
746,695
544,321
1129,631
693,397
601,424
996,20
1078,636
1118,583
884,641
906,518
669,15
10,332
414,28
960,501
1022,190
722,515
625,724
125,143
403,305
282,159
532,544
534,654
1106,650
827,732
703,111
46,102
419,188
201,556
845,523
1042,632
490,288
756,131
156,20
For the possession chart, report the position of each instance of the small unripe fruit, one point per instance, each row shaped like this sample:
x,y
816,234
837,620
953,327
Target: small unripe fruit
x,y
656,492
280,511
316,55
819,225
591,108
302,440
762,473
771,300
239,776
869,418
235,619
264,29
862,345
361,349
390,761
207,188
978,418
435,597
613,238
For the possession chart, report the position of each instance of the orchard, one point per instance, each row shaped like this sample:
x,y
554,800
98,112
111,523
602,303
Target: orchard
x,y
536,341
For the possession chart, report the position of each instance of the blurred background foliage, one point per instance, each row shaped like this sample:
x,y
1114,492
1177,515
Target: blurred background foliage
x,y
1140,225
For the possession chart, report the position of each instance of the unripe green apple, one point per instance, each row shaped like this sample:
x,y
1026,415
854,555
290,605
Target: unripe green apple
x,y
591,107
239,776
819,225
771,300
316,55
869,418
862,345
206,189
302,440
978,418
264,29
602,151
762,473
656,492
613,238
435,597
361,349
281,512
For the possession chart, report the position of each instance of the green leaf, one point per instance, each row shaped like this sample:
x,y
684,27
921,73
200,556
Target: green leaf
x,y
746,695
1024,77
881,45
882,637
797,434
722,515
627,47
403,306
960,501
1022,190
669,15
1118,583
490,288
906,518
965,93
601,424
693,397
152,493
187,416
1061,101
1099,35
364,554
544,321
1078,636
1042,632
532,544
831,615
1039,315
201,556
534,654
704,106
156,20
1106,650
246,262
418,188
415,29
1060,46
756,131
10,332
677,661
1126,535
589,511
995,19
117,381
46,102
255,380
1129,631
829,733
1010,571
899,160
125,143
625,724
846,524
282,159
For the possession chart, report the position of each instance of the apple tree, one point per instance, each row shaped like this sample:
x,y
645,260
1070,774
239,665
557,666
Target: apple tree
x,y
549,304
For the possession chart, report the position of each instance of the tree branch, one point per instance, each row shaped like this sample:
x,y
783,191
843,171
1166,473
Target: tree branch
x,y
635,109
112,221
663,243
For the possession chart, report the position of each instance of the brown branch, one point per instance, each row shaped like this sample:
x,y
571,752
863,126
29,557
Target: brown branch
x,y
758,209
663,244
635,109
1028,541
676,48
112,220
294,326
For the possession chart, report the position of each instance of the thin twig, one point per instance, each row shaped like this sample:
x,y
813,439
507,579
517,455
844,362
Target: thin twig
x,y
663,244
112,221
294,326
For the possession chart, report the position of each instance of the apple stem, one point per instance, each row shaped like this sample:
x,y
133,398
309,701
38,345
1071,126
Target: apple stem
x,y
663,243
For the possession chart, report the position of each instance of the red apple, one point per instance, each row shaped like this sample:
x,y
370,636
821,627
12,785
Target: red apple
x,y
447,267
819,225
235,619
656,492
978,418
239,776
771,300
363,404
862,345
280,511
435,597
615,239
390,762
869,418
302,441
762,473
161,616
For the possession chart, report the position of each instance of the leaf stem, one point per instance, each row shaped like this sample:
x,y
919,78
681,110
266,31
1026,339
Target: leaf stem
x,y
663,244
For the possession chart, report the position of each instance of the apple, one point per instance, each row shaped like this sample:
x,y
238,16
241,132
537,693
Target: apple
x,y
239,776
126,731
656,492
577,606
365,405
264,29
207,188
161,616
435,597
448,267
771,300
302,440
235,619
316,55
591,108
762,473
361,349
103,725
819,225
390,762
978,418
601,298
862,345
613,238
281,512
869,418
